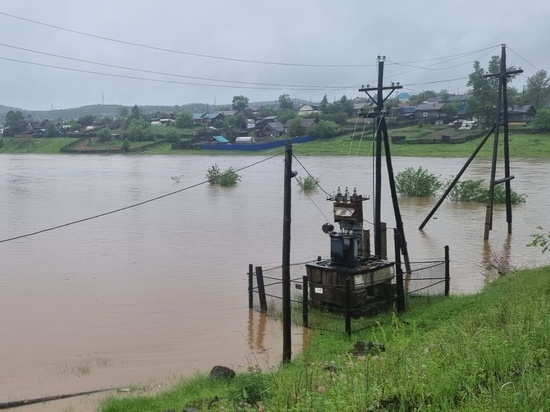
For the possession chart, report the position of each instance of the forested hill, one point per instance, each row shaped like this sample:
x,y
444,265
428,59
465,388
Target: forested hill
x,y
99,110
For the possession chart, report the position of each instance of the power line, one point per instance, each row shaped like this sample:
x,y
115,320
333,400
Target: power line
x,y
145,46
163,73
452,57
122,76
525,60
128,207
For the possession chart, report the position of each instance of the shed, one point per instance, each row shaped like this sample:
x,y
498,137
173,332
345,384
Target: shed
x,y
221,139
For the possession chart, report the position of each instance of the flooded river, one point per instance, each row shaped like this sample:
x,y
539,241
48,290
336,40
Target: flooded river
x,y
159,291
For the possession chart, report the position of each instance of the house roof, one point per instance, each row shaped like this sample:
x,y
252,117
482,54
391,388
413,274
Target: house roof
x,y
521,109
425,107
221,139
307,105
277,126
305,123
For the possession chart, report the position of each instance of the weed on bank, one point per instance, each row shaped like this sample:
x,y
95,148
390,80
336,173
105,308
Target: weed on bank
x,y
483,352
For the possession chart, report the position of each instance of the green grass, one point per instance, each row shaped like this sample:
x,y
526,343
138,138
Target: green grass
x,y
482,352
16,145
521,145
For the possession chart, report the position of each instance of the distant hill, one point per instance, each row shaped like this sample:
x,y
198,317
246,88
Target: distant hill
x,y
112,110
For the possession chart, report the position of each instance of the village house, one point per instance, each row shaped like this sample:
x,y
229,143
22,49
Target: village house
x,y
431,112
521,114
269,126
308,108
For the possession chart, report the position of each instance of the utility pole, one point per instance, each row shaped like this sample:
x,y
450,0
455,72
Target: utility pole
x,y
287,319
382,137
501,118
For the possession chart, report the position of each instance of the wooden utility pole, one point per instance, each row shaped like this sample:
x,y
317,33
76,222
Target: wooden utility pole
x,y
288,175
382,137
501,119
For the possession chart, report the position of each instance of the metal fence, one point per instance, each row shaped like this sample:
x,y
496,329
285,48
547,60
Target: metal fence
x,y
423,277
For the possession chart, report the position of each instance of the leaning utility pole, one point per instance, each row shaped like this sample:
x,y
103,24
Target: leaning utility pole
x,y
501,119
382,137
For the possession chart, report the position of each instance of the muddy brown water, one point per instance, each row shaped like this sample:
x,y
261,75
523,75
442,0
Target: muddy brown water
x,y
154,293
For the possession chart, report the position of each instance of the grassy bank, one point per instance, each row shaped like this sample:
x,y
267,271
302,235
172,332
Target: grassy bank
x,y
482,352
15,145
521,145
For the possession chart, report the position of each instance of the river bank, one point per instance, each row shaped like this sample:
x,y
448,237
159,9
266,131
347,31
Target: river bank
x,y
522,145
480,352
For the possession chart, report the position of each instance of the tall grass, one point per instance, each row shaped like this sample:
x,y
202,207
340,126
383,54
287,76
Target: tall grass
x,y
482,352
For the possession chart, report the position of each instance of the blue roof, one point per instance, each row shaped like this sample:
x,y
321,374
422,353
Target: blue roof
x,y
221,139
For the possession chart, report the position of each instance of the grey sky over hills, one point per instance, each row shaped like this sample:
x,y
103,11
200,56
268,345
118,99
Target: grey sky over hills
x,y
61,54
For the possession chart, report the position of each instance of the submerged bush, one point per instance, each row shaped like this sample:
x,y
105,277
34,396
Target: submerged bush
x,y
476,191
308,183
229,177
541,239
417,182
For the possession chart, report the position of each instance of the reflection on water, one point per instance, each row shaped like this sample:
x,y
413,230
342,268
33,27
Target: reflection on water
x,y
161,290
497,262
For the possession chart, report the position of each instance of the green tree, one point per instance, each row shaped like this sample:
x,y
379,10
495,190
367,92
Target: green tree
x,y
137,131
104,135
184,120
537,89
286,115
451,109
444,96
14,123
172,136
324,129
285,102
123,112
295,128
416,99
86,120
541,122
484,89
73,126
239,103
323,106
51,131
346,106
267,111
136,112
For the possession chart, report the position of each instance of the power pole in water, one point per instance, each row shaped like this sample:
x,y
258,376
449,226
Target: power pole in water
x,y
501,120
287,319
502,108
383,137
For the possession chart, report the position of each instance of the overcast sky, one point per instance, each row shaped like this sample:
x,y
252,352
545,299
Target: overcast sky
x,y
62,54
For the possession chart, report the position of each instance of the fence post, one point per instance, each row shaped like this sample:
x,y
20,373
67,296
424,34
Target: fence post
x,y
305,302
348,307
250,286
261,288
447,271
400,288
